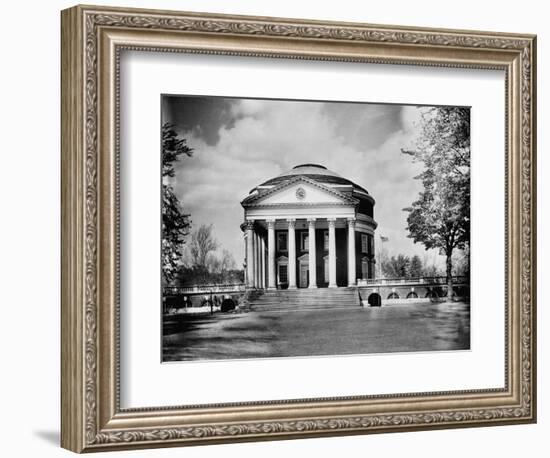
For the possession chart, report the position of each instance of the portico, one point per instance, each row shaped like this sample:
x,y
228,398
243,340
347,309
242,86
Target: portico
x,y
310,228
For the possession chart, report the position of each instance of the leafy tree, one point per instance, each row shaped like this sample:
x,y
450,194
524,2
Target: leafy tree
x,y
219,269
396,266
415,269
202,244
203,265
213,264
430,268
175,222
440,218
227,262
172,148
461,263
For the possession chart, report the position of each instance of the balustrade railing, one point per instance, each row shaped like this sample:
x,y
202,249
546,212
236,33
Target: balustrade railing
x,y
439,280
198,289
240,287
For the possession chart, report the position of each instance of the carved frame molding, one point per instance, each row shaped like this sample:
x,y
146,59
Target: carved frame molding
x,y
92,38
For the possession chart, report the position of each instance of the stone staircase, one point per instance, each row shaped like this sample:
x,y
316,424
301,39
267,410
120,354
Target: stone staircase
x,y
306,299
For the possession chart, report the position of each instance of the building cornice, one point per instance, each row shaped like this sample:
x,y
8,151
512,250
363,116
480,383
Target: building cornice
x,y
249,201
366,219
302,205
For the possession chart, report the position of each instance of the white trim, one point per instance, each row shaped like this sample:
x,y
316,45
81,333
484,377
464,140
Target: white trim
x,y
326,376
341,212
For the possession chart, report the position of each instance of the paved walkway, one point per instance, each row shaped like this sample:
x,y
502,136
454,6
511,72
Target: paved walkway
x,y
399,328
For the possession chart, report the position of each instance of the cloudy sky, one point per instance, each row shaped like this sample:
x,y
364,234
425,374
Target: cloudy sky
x,y
240,143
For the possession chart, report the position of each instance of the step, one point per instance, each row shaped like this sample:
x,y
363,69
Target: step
x,y
310,292
306,299
320,299
299,308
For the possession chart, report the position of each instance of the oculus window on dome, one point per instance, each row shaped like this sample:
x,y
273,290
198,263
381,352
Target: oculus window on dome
x,y
313,228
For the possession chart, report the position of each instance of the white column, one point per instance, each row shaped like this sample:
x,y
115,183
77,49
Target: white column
x,y
262,261
332,253
312,254
250,254
271,283
256,260
352,276
291,254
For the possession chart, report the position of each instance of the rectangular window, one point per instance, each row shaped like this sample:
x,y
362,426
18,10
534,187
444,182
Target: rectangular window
x,y
364,269
283,273
364,246
326,270
371,244
282,241
325,238
304,241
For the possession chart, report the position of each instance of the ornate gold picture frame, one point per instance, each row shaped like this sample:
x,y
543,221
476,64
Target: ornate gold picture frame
x,y
92,40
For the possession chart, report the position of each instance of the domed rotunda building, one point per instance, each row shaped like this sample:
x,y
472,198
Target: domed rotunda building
x,y
307,228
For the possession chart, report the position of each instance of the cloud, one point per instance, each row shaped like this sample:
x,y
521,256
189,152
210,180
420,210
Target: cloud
x,y
259,139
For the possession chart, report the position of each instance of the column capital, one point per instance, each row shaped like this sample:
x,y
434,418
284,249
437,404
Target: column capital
x,y
351,222
291,222
311,222
331,222
270,223
249,225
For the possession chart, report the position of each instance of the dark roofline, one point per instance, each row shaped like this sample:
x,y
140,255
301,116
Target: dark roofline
x,y
309,165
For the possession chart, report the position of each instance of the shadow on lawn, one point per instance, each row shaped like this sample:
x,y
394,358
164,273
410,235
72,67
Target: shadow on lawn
x,y
172,324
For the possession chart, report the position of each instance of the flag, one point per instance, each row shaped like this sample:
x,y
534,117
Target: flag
x,y
384,239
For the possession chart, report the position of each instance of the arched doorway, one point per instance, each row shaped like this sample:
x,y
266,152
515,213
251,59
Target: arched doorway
x,y
227,305
374,300
431,294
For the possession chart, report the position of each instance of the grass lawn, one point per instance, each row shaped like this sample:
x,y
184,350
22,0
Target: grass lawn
x,y
398,328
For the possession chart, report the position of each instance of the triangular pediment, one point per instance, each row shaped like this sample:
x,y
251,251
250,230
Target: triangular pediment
x,y
299,191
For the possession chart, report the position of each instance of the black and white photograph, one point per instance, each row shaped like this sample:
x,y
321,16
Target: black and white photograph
x,y
301,228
